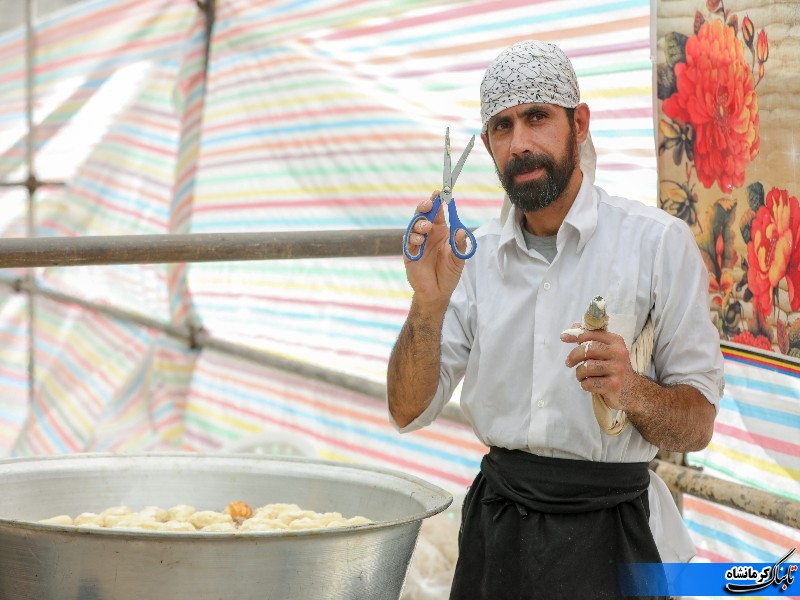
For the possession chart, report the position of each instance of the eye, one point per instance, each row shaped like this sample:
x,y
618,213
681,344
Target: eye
x,y
501,125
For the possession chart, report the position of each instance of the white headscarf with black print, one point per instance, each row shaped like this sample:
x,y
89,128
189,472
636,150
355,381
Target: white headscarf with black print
x,y
533,71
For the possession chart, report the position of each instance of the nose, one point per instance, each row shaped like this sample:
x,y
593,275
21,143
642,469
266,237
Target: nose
x,y
520,141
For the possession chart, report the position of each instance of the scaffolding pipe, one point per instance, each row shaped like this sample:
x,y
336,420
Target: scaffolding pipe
x,y
750,500
30,162
197,247
197,338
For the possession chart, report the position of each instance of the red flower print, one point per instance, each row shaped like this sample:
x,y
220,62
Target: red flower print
x,y
748,339
716,95
762,47
774,250
748,31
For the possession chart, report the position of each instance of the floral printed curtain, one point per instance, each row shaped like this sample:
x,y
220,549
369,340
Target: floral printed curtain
x,y
727,106
728,99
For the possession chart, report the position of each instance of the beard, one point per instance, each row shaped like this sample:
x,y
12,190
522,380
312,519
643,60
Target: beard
x,y
530,196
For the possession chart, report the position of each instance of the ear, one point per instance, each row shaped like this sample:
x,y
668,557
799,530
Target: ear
x,y
485,140
581,118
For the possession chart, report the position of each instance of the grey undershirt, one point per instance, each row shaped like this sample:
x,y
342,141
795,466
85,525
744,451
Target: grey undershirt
x,y
546,246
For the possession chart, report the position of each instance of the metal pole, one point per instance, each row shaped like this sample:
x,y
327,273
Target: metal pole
x,y
744,498
301,369
200,339
34,185
210,10
30,147
197,247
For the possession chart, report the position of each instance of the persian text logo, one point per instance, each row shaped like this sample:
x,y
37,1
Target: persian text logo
x,y
778,574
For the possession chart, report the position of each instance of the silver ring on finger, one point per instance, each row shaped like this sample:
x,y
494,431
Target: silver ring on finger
x,y
586,346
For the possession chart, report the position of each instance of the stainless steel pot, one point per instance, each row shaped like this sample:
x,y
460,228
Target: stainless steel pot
x,y
51,562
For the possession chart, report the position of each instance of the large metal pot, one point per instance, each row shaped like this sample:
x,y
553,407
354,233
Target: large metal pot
x,y
44,562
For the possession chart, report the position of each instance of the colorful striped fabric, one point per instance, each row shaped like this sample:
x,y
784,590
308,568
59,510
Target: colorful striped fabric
x,y
757,432
13,367
230,400
756,443
190,95
317,115
330,115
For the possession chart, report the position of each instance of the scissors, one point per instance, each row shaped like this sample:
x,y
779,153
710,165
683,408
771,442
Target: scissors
x,y
446,195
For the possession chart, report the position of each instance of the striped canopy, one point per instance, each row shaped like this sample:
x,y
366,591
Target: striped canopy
x,y
305,115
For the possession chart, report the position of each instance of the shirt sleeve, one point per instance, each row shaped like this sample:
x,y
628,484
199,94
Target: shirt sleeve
x,y
687,349
457,336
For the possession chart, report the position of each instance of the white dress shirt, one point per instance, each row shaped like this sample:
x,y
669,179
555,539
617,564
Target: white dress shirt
x,y
502,327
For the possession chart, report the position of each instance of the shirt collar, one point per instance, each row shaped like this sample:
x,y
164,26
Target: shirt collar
x,y
581,218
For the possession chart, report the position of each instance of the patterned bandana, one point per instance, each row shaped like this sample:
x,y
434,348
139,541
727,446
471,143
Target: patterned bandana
x,y
527,72
533,71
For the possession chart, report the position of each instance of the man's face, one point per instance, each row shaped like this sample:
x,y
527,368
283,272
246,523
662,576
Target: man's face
x,y
535,153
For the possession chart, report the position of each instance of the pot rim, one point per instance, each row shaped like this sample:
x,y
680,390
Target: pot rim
x,y
440,498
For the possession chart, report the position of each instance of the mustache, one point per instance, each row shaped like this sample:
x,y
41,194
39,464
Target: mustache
x,y
526,163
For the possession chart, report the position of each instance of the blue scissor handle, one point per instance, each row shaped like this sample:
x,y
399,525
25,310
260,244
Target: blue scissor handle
x,y
455,225
430,215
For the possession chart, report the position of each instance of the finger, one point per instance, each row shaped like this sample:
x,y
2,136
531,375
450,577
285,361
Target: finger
x,y
591,349
599,386
460,238
592,368
425,205
584,376
592,385
576,356
583,371
572,359
415,241
412,246
416,237
421,226
594,348
596,370
602,336
571,335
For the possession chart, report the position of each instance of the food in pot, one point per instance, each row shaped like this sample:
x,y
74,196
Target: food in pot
x,y
204,518
237,516
239,511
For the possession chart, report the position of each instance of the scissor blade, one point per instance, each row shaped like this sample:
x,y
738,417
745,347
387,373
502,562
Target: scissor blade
x,y
446,184
457,171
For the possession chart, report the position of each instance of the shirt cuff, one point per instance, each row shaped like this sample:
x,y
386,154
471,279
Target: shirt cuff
x,y
423,420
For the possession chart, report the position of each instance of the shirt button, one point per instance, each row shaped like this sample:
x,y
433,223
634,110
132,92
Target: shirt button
x,y
546,285
540,403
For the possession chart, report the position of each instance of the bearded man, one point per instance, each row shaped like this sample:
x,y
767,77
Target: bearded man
x,y
558,505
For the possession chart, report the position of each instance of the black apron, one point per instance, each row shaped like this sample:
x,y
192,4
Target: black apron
x,y
548,528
